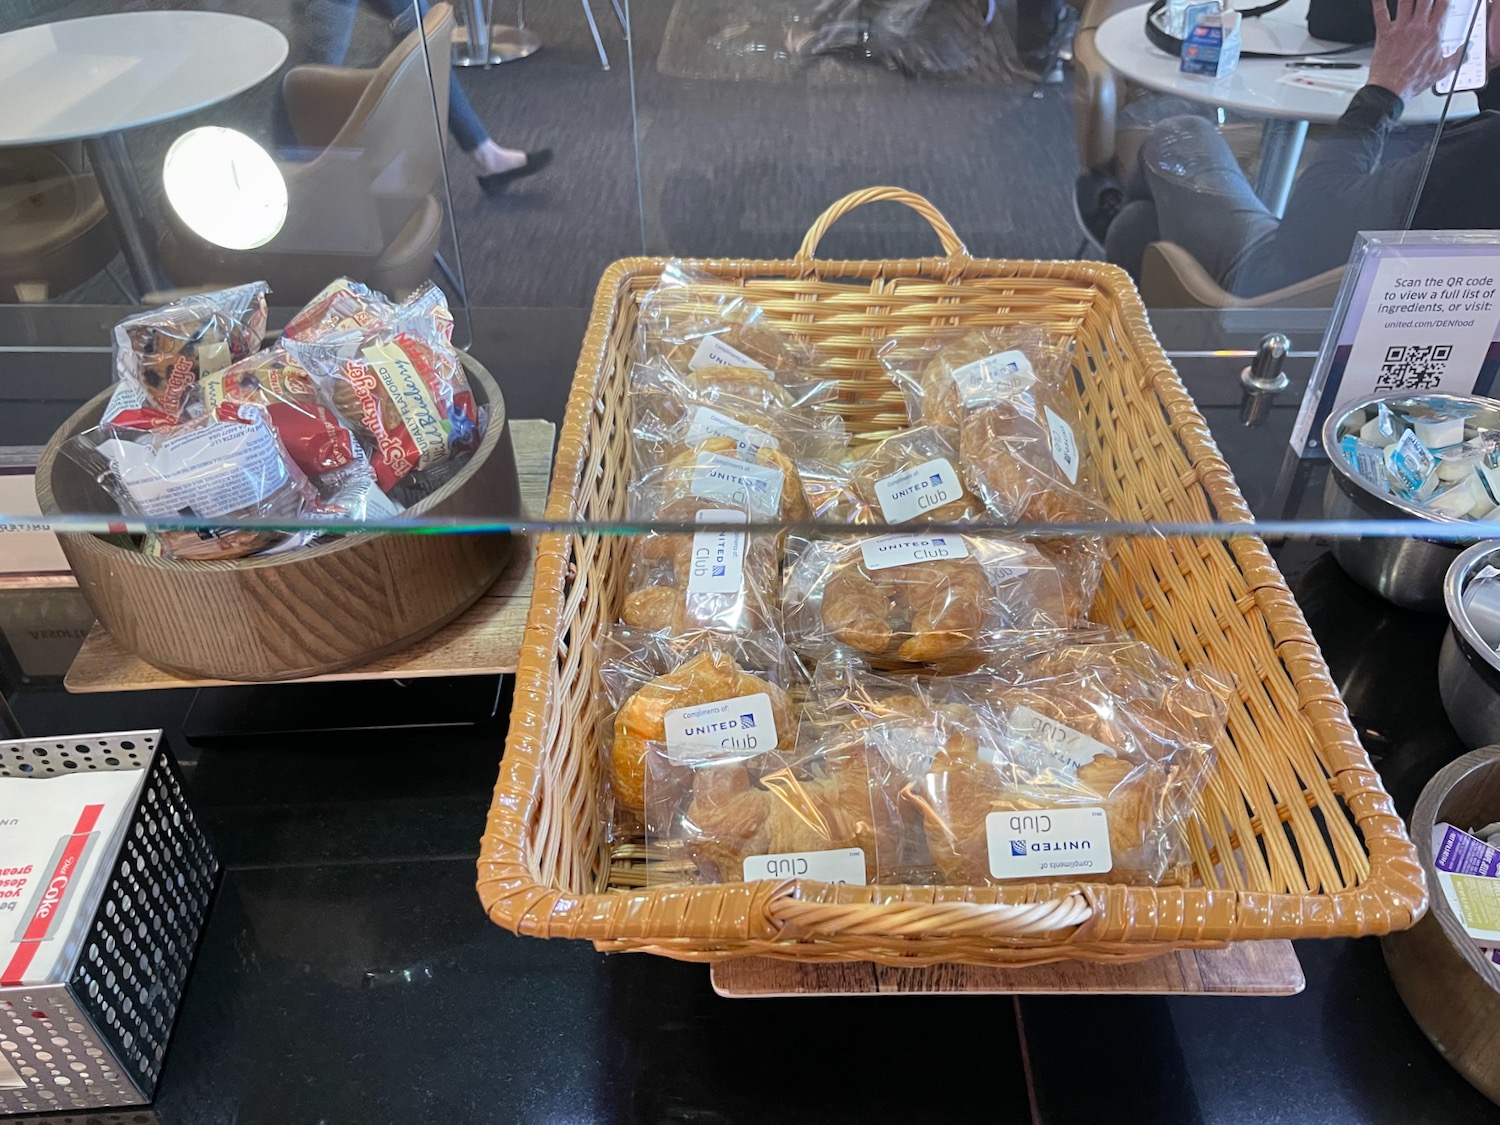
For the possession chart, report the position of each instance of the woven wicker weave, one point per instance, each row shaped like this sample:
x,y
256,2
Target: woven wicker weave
x,y
1294,835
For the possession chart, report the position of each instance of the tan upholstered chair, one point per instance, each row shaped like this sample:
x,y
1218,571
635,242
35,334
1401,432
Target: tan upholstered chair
x,y
1098,92
1171,278
369,204
54,229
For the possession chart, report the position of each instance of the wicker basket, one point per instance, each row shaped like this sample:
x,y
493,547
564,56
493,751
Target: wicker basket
x,y
1294,835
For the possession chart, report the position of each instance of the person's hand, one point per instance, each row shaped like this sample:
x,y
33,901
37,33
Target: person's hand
x,y
1408,54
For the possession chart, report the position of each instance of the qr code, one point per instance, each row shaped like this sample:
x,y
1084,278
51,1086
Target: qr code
x,y
1413,367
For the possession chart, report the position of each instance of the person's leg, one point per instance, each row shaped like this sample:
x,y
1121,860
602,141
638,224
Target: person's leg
x,y
1203,201
468,130
463,122
321,32
1042,31
1132,230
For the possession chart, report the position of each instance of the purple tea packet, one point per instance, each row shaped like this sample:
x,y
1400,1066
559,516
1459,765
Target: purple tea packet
x,y
1459,853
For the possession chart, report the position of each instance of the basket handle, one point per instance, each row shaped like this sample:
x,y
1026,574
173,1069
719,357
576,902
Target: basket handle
x,y
953,246
933,919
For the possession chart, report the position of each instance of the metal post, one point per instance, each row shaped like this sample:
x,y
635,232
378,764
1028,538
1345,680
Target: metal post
x,y
482,43
1280,150
115,173
588,14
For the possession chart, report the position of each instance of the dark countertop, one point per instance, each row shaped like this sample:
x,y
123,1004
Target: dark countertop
x,y
349,976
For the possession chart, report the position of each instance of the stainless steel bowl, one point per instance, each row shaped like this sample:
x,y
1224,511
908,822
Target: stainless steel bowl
x,y
1468,667
1406,571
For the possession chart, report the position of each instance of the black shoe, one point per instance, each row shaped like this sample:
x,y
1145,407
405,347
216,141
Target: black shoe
x,y
494,183
1098,199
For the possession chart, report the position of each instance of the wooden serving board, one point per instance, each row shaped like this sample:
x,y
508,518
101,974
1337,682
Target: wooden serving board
x,y
1247,968
484,640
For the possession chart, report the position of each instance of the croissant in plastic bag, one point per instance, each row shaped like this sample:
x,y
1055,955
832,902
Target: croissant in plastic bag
x,y
717,578
690,697
1009,395
691,320
742,423
1097,751
910,477
745,816
918,598
901,729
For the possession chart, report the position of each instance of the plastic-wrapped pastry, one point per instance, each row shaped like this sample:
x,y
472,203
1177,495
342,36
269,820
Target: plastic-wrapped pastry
x,y
690,698
745,816
342,306
398,381
717,578
1009,395
319,441
908,598
910,477
160,355
691,320
745,414
1095,754
232,468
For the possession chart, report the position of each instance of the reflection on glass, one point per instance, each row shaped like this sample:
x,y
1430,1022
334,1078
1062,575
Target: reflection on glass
x,y
225,187
1259,204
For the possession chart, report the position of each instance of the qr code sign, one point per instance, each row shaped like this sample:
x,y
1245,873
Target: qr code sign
x,y
1413,367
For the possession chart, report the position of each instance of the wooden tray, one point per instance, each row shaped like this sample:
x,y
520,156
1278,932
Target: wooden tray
x,y
1246,968
484,640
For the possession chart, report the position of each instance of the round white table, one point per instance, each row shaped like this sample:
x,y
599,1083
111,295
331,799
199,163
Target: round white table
x,y
1256,88
91,79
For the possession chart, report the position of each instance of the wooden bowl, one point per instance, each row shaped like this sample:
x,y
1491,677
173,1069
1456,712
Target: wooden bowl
x,y
1451,991
342,602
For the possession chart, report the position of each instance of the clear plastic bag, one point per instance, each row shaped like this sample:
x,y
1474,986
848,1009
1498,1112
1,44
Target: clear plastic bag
x,y
709,691
343,306
1009,395
1077,759
160,355
690,322
717,578
910,477
320,442
737,815
756,426
206,468
901,727
393,373
941,599
1091,756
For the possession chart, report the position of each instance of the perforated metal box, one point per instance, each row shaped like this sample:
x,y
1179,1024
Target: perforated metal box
x,y
97,1038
